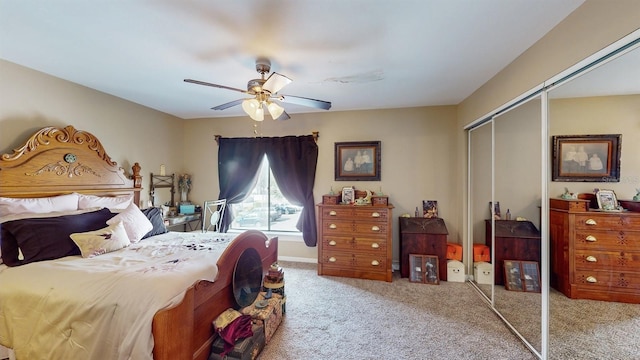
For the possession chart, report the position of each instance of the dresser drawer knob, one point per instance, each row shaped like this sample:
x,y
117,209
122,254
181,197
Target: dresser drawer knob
x,y
590,222
375,245
591,279
591,238
332,213
333,226
375,228
375,263
332,259
375,214
591,259
332,243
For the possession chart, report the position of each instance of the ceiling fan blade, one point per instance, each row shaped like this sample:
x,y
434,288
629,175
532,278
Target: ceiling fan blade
x,y
298,100
275,82
284,116
228,105
198,82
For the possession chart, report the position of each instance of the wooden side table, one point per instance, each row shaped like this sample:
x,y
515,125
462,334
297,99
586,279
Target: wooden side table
x,y
515,240
426,237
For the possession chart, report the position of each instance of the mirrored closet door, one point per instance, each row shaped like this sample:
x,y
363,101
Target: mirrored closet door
x,y
603,100
599,95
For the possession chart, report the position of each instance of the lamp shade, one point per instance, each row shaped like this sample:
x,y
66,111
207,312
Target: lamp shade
x,y
275,110
253,108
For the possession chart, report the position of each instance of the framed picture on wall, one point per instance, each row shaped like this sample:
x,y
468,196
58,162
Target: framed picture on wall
x,y
358,161
587,158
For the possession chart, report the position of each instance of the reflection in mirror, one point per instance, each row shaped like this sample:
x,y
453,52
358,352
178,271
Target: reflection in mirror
x,y
603,101
480,165
516,236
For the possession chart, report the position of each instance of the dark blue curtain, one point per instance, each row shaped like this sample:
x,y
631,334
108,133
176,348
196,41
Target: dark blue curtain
x,y
293,162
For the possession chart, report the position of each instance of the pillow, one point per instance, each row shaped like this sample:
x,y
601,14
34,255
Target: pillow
x,y
94,243
42,215
154,215
135,222
46,238
9,206
111,202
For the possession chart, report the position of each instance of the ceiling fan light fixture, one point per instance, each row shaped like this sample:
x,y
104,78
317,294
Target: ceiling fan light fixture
x,y
275,110
253,108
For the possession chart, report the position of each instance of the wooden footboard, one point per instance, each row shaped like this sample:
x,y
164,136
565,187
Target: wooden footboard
x,y
185,331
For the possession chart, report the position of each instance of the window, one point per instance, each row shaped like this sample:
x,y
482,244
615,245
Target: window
x,y
265,208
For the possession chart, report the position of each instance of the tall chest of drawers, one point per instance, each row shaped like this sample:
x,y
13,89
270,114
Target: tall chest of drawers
x,y
355,241
594,255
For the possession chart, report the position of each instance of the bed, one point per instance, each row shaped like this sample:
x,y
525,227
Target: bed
x,y
56,162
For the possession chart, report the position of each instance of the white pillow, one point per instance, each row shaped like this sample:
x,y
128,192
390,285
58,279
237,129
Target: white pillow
x,y
110,202
135,222
10,206
98,242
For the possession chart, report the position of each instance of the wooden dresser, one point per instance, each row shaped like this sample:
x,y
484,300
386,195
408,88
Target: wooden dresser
x,y
594,254
355,241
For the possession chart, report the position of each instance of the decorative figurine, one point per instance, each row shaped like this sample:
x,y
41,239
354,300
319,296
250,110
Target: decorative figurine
x,y
568,195
636,197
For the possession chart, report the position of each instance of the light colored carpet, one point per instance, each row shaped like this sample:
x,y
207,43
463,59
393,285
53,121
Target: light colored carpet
x,y
342,318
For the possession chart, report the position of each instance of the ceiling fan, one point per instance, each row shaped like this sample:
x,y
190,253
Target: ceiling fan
x,y
264,91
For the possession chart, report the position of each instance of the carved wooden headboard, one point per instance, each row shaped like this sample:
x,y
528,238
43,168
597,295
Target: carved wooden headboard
x,y
56,161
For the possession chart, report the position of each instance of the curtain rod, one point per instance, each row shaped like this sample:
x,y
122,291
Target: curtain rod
x,y
316,135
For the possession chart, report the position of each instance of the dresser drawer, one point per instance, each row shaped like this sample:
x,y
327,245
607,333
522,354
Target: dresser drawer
x,y
335,226
607,280
346,243
611,221
370,213
616,240
368,261
623,261
365,213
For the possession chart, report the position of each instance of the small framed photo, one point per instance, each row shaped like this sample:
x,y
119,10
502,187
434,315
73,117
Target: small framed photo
x,y
430,209
348,195
607,200
589,158
424,269
357,161
521,276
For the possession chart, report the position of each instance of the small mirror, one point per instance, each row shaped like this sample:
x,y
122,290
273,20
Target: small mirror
x,y
247,278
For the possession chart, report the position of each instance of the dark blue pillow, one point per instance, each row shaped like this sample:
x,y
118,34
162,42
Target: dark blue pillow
x,y
155,216
47,238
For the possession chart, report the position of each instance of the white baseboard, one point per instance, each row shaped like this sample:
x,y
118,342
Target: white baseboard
x,y
297,259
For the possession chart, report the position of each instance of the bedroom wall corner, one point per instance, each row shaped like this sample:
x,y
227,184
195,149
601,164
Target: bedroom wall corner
x,y
129,132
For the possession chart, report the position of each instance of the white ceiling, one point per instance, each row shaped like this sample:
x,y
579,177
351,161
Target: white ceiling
x,y
358,54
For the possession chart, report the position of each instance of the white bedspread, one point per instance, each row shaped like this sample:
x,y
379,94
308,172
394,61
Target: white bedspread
x,y
102,307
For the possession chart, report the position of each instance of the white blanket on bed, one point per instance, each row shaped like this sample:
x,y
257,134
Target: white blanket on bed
x,y
102,307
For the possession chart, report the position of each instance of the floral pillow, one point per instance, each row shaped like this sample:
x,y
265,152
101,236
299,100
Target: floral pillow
x,y
98,242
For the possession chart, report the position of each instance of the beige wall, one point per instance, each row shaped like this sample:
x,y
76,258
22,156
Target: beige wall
x,y
30,100
418,155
